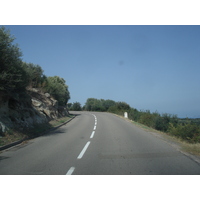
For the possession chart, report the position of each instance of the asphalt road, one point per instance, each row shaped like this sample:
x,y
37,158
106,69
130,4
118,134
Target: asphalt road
x,y
97,144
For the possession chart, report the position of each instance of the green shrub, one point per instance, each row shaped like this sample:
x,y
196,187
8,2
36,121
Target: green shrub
x,y
189,132
161,123
147,119
134,114
75,106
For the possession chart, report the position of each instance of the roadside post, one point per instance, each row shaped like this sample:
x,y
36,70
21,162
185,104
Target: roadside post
x,y
125,115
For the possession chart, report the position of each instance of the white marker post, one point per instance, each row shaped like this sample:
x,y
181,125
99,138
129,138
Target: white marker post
x,y
125,115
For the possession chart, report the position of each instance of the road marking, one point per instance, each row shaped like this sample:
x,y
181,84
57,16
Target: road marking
x,y
84,150
71,170
92,134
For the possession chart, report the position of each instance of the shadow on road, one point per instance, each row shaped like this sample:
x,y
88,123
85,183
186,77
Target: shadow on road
x,y
3,157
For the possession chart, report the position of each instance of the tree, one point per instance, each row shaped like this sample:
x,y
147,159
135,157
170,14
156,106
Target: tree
x,y
107,104
89,104
134,114
35,74
76,106
123,106
93,104
147,118
13,76
16,75
58,89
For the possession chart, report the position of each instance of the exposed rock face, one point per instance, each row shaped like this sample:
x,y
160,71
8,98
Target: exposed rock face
x,y
35,108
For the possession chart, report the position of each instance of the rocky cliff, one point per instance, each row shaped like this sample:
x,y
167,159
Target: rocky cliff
x,y
25,112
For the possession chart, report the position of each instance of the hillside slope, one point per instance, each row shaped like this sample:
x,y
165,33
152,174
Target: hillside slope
x,y
25,112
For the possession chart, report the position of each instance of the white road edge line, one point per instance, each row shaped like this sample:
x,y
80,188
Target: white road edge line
x,y
92,134
70,171
84,150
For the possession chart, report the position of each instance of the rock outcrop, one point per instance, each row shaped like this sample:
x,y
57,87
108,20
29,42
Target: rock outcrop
x,y
34,108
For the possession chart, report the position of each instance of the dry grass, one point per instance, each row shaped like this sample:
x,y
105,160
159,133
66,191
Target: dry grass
x,y
59,121
191,148
10,137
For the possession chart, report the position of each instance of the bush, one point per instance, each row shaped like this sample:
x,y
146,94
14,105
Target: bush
x,y
189,132
102,105
134,114
114,109
75,106
119,108
161,123
147,119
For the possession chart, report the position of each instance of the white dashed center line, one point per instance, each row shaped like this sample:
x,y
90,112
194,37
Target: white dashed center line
x,y
71,170
84,150
92,134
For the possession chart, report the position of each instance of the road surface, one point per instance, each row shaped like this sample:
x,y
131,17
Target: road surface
x,y
96,143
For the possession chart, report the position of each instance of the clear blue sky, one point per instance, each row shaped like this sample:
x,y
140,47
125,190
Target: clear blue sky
x,y
149,67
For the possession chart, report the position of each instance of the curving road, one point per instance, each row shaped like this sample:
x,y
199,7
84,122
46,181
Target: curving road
x,y
97,143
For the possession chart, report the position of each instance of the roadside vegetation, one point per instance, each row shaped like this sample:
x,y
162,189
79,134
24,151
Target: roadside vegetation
x,y
17,77
76,106
185,129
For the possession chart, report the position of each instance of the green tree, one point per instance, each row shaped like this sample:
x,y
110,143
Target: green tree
x,y
146,118
35,75
76,106
134,114
123,106
90,104
119,108
58,89
107,104
93,104
13,76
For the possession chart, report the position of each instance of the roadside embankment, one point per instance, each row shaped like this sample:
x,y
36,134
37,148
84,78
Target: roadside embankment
x,y
29,115
13,138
